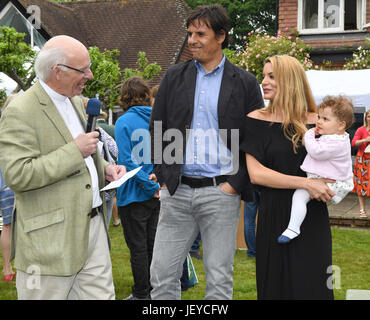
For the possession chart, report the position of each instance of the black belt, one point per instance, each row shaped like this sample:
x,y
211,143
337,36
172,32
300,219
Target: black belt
x,y
94,212
203,182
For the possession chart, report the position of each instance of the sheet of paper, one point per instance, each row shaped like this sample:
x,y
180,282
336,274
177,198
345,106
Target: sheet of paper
x,y
122,180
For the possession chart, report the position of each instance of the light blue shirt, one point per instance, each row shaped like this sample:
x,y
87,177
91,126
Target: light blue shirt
x,y
206,155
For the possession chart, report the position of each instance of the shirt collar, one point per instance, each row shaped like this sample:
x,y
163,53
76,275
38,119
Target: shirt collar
x,y
53,94
219,67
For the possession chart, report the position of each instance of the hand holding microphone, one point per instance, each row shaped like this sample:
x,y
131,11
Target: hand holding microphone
x,y
87,143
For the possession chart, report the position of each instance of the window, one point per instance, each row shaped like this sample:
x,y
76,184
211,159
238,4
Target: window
x,y
11,17
325,16
350,17
310,18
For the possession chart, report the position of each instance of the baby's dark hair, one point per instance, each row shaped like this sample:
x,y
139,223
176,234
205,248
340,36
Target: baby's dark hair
x,y
341,106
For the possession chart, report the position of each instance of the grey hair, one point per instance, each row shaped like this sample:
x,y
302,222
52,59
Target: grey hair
x,y
46,59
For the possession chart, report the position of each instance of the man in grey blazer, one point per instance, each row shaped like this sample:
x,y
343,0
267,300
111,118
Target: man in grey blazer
x,y
60,241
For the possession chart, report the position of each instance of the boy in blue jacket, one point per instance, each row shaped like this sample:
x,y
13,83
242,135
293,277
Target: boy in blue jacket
x,y
138,198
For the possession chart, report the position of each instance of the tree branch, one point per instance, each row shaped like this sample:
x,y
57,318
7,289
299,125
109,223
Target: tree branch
x,y
11,73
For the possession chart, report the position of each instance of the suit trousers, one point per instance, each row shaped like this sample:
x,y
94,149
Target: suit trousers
x,y
93,282
215,215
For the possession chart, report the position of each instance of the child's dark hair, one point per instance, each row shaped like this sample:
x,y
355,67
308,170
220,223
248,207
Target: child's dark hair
x,y
134,92
341,106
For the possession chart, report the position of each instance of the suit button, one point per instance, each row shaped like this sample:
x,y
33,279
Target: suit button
x,y
88,186
142,187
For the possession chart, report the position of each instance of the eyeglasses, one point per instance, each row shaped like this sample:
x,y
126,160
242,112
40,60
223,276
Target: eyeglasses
x,y
84,71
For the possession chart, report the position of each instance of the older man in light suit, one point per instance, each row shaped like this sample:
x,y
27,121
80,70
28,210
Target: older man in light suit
x,y
59,235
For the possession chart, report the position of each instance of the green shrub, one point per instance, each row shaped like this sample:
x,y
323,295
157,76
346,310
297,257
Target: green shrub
x,y
361,58
261,46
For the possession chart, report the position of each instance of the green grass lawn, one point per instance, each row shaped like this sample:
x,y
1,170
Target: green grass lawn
x,y
351,254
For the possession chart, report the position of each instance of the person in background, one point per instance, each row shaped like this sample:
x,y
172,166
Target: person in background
x,y
195,248
102,123
250,214
6,208
51,164
107,147
138,198
274,153
153,94
361,175
116,220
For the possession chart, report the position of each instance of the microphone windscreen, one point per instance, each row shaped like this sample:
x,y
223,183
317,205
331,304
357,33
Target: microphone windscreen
x,y
93,107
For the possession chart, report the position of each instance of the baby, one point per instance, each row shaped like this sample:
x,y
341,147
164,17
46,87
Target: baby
x,y
328,156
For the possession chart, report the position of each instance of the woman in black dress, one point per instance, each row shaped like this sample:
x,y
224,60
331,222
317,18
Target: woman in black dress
x,y
274,153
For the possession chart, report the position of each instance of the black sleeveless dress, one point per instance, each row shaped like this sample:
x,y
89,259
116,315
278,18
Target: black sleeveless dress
x,y
300,269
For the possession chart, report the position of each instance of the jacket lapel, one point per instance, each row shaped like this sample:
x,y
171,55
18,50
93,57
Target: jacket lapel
x,y
52,112
227,85
190,82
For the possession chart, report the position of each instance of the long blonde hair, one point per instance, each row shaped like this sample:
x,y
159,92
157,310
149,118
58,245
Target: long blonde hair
x,y
293,96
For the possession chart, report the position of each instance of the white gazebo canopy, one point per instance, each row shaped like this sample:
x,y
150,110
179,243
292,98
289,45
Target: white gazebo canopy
x,y
354,84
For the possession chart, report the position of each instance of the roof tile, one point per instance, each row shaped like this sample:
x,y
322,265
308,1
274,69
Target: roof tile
x,y
157,27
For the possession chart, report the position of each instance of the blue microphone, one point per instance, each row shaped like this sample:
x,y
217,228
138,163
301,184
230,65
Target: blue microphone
x,y
93,111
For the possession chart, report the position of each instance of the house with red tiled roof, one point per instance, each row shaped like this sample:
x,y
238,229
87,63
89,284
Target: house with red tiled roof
x,y
333,28
156,27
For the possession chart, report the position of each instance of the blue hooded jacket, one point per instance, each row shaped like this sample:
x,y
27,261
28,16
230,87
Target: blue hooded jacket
x,y
133,142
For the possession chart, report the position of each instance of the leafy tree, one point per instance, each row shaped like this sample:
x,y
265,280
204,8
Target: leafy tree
x,y
145,70
233,56
107,75
2,96
245,16
16,57
108,78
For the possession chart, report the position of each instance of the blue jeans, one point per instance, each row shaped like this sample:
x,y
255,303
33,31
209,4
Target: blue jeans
x,y
195,247
250,212
109,206
189,211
